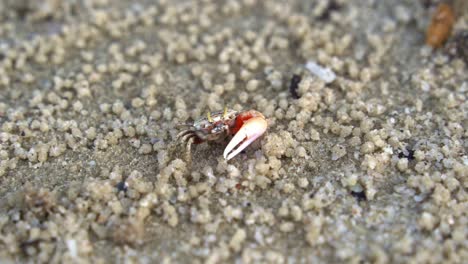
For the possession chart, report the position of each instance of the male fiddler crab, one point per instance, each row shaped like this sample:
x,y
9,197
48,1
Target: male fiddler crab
x,y
246,126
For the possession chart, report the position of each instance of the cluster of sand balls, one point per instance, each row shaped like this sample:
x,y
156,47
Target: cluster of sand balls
x,y
91,94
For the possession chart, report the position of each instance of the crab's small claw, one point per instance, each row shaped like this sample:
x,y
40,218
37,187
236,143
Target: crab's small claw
x,y
251,129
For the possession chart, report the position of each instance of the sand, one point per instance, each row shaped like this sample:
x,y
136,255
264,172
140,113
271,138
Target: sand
x,y
364,160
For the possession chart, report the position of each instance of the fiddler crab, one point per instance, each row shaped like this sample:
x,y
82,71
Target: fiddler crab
x,y
246,126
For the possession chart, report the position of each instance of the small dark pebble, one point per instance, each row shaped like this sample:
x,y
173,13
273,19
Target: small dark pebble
x,y
122,186
295,80
360,196
427,3
332,6
409,154
457,46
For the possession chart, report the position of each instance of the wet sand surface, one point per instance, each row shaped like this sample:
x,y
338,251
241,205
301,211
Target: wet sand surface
x,y
364,161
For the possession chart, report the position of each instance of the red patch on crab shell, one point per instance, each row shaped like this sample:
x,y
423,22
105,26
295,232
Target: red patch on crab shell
x,y
241,118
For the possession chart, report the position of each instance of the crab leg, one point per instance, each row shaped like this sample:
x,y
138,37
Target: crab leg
x,y
184,133
251,129
188,151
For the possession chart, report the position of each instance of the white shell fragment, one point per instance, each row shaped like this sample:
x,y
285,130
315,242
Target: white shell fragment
x,y
326,74
71,244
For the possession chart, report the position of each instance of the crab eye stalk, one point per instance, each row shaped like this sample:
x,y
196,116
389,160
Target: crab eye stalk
x,y
208,116
225,112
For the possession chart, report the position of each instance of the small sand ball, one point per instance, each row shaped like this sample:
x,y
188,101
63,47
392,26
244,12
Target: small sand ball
x,y
105,108
419,155
283,211
77,106
338,151
314,135
301,152
116,207
134,142
137,102
233,171
451,183
427,221
233,213
145,149
278,144
252,85
296,213
287,227
354,141
118,108
441,195
262,168
156,115
288,188
238,239
402,164
303,182
91,133
367,147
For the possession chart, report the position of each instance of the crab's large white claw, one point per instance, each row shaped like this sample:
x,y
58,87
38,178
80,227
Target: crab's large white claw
x,y
249,132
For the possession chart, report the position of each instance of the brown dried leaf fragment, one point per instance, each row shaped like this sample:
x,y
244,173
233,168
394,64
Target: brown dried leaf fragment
x,y
441,26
